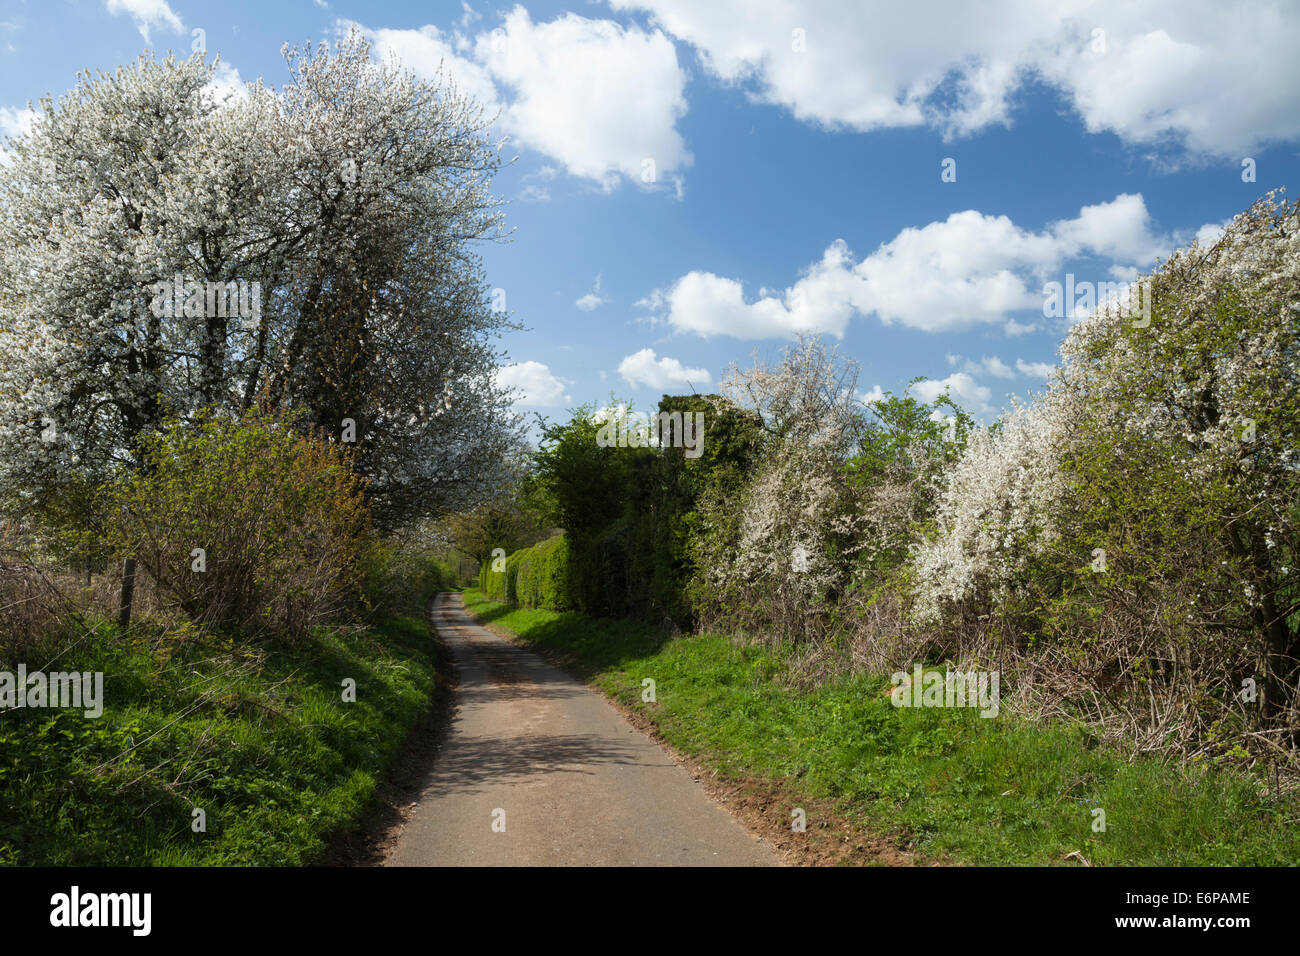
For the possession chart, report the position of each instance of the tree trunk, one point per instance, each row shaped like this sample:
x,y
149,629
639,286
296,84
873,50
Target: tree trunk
x,y
128,593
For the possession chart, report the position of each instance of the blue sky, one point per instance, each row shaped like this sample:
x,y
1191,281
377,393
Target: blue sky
x,y
733,172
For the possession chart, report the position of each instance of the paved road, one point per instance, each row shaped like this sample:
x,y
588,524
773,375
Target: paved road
x,y
577,783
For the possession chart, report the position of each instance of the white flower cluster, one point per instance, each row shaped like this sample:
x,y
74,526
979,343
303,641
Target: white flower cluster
x,y
798,521
998,508
349,199
1212,380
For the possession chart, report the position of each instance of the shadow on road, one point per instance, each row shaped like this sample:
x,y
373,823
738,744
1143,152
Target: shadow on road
x,y
480,763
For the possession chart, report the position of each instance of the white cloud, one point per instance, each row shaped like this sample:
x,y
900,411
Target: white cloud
x,y
600,99
968,269
643,368
994,366
706,304
535,383
875,395
1212,75
1035,369
1119,229
1210,233
1015,328
533,186
147,14
468,16
961,388
16,121
429,52
988,365
225,84
592,299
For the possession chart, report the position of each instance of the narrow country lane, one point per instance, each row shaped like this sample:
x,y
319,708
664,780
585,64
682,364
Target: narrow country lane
x,y
571,780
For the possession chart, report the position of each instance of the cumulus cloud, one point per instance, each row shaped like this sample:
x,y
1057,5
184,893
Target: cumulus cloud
x,y
600,99
468,16
1120,229
534,186
994,366
1213,76
1035,369
961,388
1211,233
16,121
534,383
968,269
593,299
875,395
644,369
225,84
147,14
429,53
988,365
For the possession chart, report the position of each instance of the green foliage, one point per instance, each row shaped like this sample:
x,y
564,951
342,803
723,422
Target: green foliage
x,y
259,738
540,576
587,487
733,439
67,521
398,577
280,519
628,513
942,782
508,523
902,456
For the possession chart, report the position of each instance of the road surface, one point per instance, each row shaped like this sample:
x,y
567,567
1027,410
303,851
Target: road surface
x,y
539,770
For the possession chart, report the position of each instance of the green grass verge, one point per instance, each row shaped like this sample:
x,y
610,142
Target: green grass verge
x,y
259,738
943,781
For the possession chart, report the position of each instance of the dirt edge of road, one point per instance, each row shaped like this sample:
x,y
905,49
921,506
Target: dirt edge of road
x,y
370,841
762,806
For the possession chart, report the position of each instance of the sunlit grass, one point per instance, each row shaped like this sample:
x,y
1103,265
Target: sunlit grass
x,y
941,781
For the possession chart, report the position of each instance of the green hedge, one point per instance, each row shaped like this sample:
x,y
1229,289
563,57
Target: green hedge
x,y
536,577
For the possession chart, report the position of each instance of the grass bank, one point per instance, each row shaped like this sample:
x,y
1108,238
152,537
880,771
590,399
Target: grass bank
x,y
942,782
259,738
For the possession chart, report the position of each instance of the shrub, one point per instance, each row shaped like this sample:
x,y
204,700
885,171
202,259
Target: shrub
x,y
400,576
493,583
542,578
1138,522
826,497
279,516
536,577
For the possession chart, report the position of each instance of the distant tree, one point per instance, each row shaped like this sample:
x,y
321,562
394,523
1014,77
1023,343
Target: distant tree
x,y
506,522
